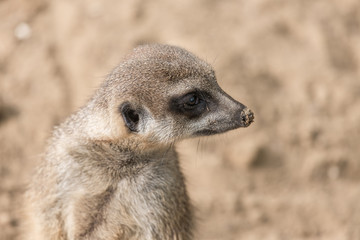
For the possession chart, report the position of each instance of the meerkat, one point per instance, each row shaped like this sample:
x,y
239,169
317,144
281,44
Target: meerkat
x,y
111,170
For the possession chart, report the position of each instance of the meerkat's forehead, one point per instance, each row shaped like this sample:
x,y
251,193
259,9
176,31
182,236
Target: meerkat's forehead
x,y
161,70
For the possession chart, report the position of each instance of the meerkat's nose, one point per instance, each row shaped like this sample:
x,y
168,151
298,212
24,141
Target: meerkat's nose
x,y
246,117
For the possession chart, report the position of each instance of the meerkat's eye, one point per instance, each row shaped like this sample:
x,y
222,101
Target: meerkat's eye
x,y
192,101
191,105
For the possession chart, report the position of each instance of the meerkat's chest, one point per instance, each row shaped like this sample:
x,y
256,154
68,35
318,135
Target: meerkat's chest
x,y
151,205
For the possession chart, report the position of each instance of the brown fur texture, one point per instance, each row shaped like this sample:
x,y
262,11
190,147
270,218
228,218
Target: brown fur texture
x,y
110,173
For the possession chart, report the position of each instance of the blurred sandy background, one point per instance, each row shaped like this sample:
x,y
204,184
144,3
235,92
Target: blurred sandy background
x,y
294,174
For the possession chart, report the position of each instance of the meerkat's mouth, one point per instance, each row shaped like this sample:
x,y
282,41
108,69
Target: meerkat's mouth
x,y
206,132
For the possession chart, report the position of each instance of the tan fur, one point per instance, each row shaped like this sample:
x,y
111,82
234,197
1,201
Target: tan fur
x,y
101,180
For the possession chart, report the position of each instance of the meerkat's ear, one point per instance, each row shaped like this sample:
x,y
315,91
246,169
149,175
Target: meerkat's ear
x,y
131,116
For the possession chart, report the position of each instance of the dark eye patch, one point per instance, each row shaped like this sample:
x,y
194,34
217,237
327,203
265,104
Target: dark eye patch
x,y
191,105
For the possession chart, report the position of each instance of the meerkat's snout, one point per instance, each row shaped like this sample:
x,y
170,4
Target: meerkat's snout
x,y
243,115
225,114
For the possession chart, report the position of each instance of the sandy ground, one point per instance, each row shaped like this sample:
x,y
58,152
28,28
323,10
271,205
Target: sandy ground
x,y
294,174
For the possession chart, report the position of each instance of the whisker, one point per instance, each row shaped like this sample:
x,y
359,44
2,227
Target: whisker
x,y
198,145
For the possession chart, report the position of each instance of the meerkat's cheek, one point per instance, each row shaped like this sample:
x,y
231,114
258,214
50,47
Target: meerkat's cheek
x,y
202,127
163,131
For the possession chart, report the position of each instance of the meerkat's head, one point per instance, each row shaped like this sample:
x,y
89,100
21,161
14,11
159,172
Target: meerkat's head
x,y
163,93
